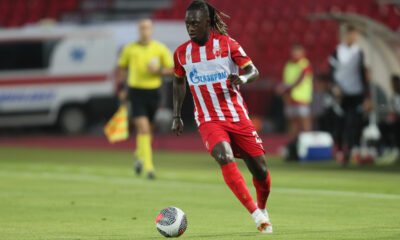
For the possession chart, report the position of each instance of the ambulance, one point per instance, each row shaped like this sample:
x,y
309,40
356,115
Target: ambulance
x,y
57,75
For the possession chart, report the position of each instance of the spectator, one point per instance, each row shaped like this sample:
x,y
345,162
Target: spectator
x,y
297,91
395,114
351,91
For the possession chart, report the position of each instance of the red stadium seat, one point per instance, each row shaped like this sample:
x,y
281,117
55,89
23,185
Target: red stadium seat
x,y
266,29
14,13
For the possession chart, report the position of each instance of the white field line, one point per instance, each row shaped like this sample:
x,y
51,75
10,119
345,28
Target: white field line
x,y
167,182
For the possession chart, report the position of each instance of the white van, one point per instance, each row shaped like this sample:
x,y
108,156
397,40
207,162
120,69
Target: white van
x,y
62,76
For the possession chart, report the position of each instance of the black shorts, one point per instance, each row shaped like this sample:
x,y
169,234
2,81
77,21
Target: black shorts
x,y
143,102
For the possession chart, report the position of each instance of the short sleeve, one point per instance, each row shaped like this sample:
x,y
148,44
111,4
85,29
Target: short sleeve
x,y
305,65
178,69
166,58
124,57
238,55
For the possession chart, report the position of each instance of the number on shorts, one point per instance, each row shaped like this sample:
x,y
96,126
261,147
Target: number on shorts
x,y
258,139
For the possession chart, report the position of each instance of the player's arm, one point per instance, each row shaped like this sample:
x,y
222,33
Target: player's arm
x,y
179,92
251,74
239,56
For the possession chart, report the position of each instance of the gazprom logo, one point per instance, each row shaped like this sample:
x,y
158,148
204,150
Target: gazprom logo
x,y
195,78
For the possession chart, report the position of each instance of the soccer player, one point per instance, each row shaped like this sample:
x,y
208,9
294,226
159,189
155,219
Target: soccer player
x,y
147,60
209,63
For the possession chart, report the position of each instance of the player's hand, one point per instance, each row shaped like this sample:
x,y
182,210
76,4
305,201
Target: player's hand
x,y
235,79
177,126
367,106
337,92
123,95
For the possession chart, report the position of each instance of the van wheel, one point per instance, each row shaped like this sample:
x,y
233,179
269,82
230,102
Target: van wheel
x,y
72,120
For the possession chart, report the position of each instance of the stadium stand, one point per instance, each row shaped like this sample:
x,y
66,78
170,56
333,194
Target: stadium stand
x,y
267,29
20,12
278,25
281,26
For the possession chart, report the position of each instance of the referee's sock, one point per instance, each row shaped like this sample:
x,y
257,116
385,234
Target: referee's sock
x,y
236,183
144,151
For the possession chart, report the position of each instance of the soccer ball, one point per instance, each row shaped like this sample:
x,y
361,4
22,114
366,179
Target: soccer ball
x,y
171,222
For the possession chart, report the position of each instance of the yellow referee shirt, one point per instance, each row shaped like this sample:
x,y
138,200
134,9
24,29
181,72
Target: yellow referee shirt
x,y
137,58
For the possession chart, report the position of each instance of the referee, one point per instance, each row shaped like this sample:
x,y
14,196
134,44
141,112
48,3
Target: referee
x,y
141,66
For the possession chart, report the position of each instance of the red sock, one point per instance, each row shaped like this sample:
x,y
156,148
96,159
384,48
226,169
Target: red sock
x,y
262,189
236,183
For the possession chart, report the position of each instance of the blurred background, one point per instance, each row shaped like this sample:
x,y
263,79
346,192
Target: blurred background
x,y
58,62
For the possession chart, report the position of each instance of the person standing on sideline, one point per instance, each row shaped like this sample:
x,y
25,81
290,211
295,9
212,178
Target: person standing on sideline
x,y
351,91
297,91
141,65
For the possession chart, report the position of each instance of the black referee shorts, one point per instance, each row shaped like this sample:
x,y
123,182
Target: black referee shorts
x,y
143,102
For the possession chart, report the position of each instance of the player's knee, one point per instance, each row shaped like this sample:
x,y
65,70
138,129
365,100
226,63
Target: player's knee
x,y
261,172
225,158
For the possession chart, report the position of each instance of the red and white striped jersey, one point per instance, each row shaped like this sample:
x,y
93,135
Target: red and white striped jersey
x,y
207,68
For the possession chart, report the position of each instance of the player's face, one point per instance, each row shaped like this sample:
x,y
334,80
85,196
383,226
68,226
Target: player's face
x,y
197,26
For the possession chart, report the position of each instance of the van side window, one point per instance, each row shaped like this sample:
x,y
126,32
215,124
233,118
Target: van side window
x,y
26,55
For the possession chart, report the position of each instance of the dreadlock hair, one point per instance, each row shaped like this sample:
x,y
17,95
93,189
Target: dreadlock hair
x,y
216,22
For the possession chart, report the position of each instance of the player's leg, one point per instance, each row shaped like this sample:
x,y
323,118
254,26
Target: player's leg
x,y
262,183
223,154
261,178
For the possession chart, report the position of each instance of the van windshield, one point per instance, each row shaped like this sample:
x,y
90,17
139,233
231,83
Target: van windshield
x,y
26,55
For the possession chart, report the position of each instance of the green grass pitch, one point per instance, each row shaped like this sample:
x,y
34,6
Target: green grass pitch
x,y
89,195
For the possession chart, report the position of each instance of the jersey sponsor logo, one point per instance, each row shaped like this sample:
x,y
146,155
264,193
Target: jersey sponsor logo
x,y
195,78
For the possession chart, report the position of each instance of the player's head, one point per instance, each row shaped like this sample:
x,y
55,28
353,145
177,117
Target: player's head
x,y
201,18
351,35
297,51
145,29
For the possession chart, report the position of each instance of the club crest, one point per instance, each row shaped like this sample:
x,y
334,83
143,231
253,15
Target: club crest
x,y
217,52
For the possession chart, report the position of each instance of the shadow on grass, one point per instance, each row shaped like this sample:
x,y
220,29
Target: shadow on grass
x,y
216,235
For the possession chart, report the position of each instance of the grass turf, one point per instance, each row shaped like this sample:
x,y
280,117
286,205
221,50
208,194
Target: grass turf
x,y
64,194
